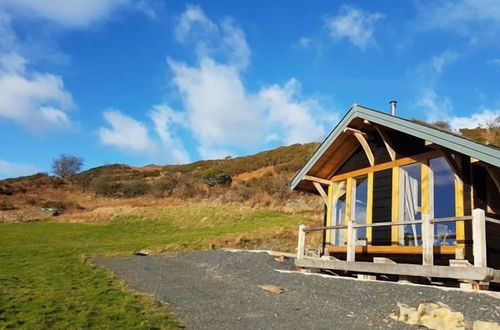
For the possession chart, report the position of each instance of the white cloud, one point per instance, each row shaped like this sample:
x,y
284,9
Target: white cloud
x,y
10,170
439,62
473,19
355,25
435,107
35,100
164,119
224,117
478,119
224,40
294,118
134,136
73,14
126,133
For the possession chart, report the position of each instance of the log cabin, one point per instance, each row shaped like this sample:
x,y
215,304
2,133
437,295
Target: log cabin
x,y
404,198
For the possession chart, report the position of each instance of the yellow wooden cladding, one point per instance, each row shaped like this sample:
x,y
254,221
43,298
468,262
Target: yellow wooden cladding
x,y
329,212
425,174
369,207
348,199
395,205
459,211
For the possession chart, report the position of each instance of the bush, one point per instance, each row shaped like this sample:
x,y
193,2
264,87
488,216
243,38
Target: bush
x,y
5,206
107,187
135,188
165,186
213,177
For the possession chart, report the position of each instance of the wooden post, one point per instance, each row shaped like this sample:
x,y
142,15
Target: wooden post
x,y
479,238
351,241
427,241
301,242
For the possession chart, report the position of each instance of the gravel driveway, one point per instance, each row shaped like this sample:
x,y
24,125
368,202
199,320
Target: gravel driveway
x,y
219,290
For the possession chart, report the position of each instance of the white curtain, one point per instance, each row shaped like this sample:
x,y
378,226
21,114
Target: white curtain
x,y
410,204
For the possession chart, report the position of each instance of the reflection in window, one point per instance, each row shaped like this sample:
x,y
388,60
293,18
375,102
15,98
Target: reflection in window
x,y
359,214
410,203
444,200
338,214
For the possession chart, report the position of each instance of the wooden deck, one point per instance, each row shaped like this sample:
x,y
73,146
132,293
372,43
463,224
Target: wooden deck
x,y
460,273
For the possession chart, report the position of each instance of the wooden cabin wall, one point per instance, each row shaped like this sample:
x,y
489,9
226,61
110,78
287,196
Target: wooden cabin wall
x,y
487,197
382,206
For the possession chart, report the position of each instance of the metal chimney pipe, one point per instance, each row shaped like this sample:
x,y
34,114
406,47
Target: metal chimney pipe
x,y
393,107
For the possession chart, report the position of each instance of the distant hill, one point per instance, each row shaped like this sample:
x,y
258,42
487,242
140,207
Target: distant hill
x,y
257,179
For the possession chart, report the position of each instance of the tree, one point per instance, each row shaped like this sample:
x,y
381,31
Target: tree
x,y
443,124
66,165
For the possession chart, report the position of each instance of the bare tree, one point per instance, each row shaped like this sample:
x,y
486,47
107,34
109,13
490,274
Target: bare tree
x,y
66,165
443,124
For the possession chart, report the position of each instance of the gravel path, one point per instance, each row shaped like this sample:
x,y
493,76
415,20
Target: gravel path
x,y
219,290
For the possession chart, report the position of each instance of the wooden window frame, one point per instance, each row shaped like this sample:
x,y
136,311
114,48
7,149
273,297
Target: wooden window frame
x,y
426,207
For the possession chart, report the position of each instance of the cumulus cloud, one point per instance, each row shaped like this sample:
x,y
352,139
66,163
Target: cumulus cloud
x,y
126,133
38,101
164,119
223,41
218,111
355,25
473,19
9,169
73,14
133,136
224,117
479,119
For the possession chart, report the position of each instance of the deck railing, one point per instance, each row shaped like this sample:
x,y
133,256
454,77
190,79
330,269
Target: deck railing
x,y
478,219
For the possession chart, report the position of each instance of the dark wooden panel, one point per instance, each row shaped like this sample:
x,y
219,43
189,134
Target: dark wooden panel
x,y
382,198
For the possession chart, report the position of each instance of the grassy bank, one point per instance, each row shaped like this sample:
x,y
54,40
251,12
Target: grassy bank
x,y
46,281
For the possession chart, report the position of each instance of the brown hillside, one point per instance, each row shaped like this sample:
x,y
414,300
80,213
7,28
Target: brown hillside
x,y
259,180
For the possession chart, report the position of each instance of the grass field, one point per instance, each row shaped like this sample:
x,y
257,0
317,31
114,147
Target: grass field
x,y
46,280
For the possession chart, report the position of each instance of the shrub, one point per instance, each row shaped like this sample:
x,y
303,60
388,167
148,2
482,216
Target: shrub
x,y
5,206
166,185
135,188
107,187
215,176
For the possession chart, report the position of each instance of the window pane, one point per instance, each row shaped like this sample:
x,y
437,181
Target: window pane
x,y
361,195
444,200
410,195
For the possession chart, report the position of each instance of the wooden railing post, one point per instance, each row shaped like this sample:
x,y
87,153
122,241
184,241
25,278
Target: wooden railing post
x,y
427,241
351,241
479,237
301,242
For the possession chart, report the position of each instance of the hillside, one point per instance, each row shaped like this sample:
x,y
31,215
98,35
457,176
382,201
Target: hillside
x,y
259,181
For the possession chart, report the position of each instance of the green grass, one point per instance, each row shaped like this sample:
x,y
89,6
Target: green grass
x,y
46,281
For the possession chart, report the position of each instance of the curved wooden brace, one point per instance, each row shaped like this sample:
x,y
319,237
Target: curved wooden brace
x,y
387,142
364,144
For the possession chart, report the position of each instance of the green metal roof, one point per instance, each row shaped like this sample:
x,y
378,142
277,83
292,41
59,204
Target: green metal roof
x,y
452,141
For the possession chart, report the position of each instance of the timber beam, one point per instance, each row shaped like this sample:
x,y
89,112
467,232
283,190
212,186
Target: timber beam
x,y
318,180
468,273
361,137
385,138
495,175
321,191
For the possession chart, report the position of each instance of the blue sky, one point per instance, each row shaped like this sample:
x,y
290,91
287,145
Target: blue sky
x,y
152,81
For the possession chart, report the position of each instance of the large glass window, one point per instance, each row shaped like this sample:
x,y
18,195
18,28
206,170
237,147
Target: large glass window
x,y
444,200
410,210
338,214
359,212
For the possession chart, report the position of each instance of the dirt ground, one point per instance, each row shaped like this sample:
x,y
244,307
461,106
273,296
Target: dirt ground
x,y
220,290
